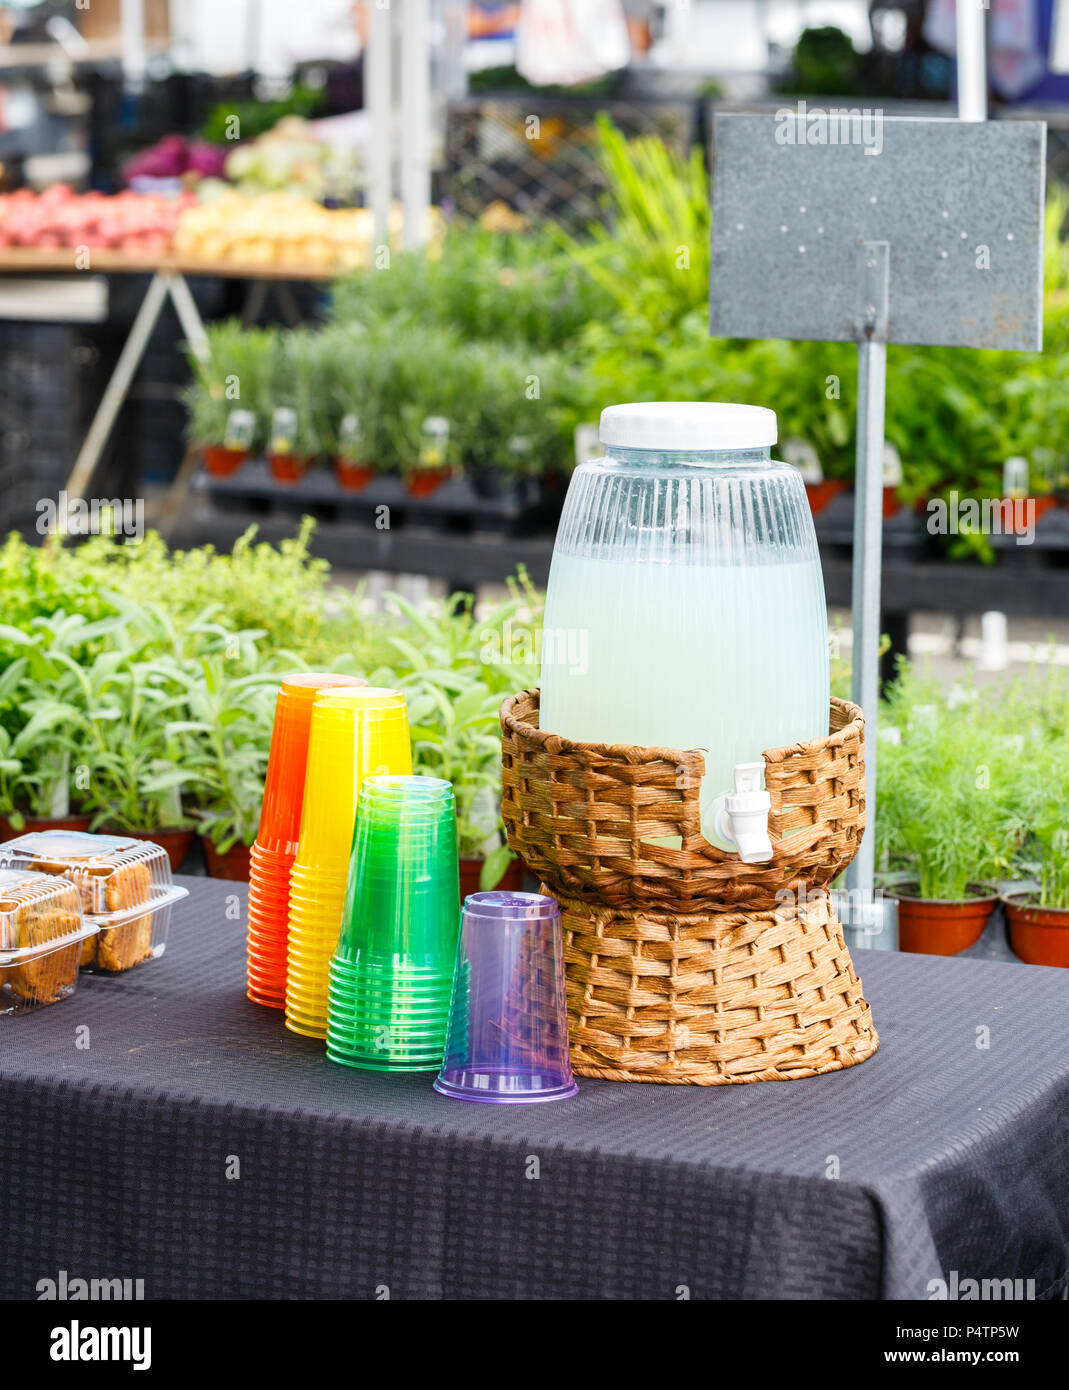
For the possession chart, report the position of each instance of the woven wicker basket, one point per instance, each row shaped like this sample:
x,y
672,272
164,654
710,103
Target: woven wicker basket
x,y
712,1000
581,816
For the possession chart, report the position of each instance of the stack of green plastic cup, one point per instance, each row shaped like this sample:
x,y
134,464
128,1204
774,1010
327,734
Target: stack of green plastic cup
x,y
392,975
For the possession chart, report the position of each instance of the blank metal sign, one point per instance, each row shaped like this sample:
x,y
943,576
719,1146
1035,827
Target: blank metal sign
x,y
960,204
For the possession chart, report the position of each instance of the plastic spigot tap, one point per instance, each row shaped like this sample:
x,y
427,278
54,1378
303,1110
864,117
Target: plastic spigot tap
x,y
743,818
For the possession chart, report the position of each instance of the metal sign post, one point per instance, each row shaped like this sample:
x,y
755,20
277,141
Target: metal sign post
x,y
378,65
852,227
407,133
415,120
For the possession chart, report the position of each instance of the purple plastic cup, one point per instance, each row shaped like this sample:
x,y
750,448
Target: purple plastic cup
x,y
507,1042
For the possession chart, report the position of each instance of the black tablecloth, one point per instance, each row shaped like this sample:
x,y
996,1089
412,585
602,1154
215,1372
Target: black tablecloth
x,y
198,1146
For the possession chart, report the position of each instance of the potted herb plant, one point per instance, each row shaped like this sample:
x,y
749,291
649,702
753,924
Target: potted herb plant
x,y
35,774
948,817
44,772
422,385
351,376
456,668
295,437
136,774
505,434
225,740
209,416
456,735
1039,921
432,468
226,393
351,469
117,679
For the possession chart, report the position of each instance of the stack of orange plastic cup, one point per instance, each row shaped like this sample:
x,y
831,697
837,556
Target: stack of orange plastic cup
x,y
272,855
354,734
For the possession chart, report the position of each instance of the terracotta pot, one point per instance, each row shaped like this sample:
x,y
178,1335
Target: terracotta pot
x,y
289,468
470,869
933,927
33,823
820,494
1039,935
221,462
177,843
234,864
422,482
891,504
352,476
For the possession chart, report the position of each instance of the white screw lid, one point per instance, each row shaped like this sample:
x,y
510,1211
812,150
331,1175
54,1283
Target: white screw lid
x,y
691,426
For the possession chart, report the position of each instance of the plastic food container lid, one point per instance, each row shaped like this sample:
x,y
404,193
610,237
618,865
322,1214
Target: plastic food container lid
x,y
38,914
688,426
117,877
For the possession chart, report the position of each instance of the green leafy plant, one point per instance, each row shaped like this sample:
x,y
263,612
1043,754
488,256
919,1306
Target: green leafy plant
x,y
1035,718
224,743
208,414
949,809
502,288
37,582
507,410
652,259
1053,842
456,735
254,118
150,707
394,378
280,590
36,762
100,715
954,414
45,692
455,665
825,63
236,372
294,379
129,702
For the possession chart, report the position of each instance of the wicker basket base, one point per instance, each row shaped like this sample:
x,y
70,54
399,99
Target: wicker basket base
x,y
712,1000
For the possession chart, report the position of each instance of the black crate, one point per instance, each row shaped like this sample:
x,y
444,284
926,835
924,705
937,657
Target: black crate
x,y
51,376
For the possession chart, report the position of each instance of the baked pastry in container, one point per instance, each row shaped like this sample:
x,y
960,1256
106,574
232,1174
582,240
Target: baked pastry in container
x,y
124,886
42,936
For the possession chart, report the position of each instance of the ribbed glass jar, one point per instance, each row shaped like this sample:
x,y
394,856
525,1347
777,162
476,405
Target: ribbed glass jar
x,y
686,608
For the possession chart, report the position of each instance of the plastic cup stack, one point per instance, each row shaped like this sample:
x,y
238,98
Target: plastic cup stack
x,y
271,857
354,734
391,979
508,1026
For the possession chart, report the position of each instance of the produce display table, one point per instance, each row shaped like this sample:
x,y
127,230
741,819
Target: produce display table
x,y
28,259
158,1126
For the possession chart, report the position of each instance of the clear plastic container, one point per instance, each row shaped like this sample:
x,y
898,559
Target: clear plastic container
x,y
685,606
124,886
43,936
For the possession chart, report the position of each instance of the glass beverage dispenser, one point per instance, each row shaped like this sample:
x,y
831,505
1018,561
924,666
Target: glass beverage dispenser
x,y
685,606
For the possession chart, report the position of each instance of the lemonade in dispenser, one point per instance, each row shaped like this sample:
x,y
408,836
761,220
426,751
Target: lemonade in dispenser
x,y
685,606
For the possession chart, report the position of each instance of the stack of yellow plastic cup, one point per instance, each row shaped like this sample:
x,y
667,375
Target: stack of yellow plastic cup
x,y
354,734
